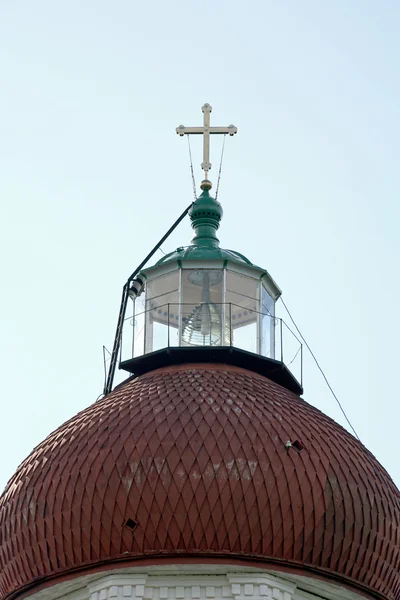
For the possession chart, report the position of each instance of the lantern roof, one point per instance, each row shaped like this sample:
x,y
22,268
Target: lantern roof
x,y
205,215
204,250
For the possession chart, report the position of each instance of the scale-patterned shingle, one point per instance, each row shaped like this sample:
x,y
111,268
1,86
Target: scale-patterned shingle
x,y
196,456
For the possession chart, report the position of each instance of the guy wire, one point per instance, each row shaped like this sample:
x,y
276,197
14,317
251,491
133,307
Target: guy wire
x,y
220,167
320,368
191,168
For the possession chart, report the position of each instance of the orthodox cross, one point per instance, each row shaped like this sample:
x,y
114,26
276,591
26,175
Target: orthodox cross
x,y
206,130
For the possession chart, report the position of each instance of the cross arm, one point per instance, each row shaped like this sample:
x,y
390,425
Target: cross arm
x,y
231,129
181,130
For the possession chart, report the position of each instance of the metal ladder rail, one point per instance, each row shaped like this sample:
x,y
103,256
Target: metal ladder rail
x,y
124,302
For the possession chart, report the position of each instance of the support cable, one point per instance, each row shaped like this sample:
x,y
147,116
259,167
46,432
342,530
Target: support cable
x,y
322,372
191,168
220,167
105,364
124,301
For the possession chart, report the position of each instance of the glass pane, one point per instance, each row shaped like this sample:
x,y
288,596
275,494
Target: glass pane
x,y
267,324
162,316
242,290
242,296
202,308
128,333
245,337
138,325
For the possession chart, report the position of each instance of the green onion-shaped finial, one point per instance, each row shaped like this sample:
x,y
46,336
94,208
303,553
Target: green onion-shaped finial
x,y
205,214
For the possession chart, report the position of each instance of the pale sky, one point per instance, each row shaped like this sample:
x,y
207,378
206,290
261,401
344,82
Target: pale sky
x,y
92,174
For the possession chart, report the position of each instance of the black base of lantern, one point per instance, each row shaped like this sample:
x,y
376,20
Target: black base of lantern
x,y
270,368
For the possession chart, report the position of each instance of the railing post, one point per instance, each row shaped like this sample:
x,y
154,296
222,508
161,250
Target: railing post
x,y
281,342
301,365
209,321
223,324
168,324
230,324
133,329
120,347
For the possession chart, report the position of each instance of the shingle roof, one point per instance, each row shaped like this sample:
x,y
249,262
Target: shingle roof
x,y
196,456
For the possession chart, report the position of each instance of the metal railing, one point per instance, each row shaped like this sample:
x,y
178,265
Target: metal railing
x,y
212,324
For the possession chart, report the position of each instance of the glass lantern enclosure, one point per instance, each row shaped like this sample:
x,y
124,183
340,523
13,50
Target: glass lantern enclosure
x,y
204,307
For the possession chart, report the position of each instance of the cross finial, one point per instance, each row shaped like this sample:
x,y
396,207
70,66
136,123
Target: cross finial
x,y
206,130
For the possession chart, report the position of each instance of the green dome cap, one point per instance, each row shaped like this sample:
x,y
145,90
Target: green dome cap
x,y
205,215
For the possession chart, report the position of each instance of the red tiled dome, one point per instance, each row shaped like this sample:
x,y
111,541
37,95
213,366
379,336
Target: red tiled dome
x,y
196,456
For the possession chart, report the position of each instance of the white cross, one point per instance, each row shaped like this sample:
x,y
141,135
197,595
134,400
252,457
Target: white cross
x,y
206,130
